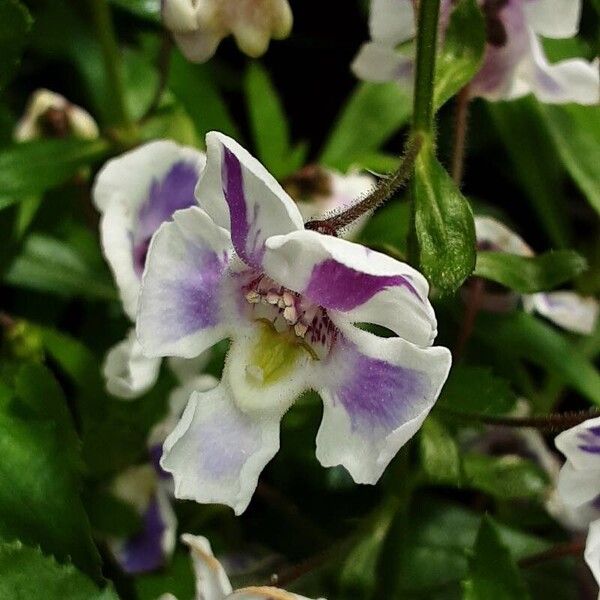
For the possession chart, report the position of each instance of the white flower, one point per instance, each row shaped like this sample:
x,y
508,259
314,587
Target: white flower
x,y
564,308
136,193
199,25
514,63
243,266
51,115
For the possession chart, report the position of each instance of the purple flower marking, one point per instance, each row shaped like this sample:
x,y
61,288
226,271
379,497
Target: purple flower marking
x,y
590,439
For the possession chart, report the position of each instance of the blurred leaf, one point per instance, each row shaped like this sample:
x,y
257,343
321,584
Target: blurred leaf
x,y
49,265
439,453
173,124
269,124
34,167
194,87
493,571
15,23
443,225
535,162
576,133
141,81
530,274
388,226
472,389
40,474
111,516
177,579
27,573
462,52
504,477
147,9
521,335
374,112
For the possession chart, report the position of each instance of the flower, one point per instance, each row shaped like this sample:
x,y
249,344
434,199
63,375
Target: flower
x,y
514,63
322,192
579,482
149,490
212,582
135,193
51,115
564,308
241,265
199,25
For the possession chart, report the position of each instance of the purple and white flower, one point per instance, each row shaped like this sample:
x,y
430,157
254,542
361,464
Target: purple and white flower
x,y
49,114
579,482
242,266
566,309
199,25
212,582
136,193
514,63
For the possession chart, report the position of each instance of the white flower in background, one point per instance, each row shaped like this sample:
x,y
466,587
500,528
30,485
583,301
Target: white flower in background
x,y
514,64
136,193
51,115
579,482
149,490
242,266
321,192
564,308
212,582
199,25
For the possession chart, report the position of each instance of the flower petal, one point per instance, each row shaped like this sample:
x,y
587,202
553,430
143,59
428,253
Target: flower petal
x,y
265,593
179,15
135,193
217,452
567,309
581,445
343,276
183,305
127,371
578,487
493,235
198,46
378,395
592,550
392,21
554,18
380,63
212,582
240,194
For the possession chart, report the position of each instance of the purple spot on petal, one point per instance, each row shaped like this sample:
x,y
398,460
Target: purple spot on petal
x,y
155,454
339,287
590,440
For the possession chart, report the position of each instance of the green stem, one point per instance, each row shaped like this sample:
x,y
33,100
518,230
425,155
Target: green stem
x,y
427,33
111,55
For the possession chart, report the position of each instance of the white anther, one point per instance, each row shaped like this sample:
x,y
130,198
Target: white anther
x,y
253,297
272,297
281,303
290,314
288,298
300,329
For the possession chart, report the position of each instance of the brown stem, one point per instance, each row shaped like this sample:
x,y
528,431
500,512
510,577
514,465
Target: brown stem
x,y
384,190
574,548
476,290
460,133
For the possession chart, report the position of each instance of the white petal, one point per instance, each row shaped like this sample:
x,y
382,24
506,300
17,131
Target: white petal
x,y
212,582
392,21
198,46
127,371
251,39
376,393
365,285
581,445
553,18
179,15
41,101
493,235
567,309
183,308
241,195
82,124
380,63
188,368
265,593
592,550
578,488
216,452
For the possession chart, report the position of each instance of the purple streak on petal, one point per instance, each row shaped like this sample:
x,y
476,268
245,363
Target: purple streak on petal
x,y
166,196
379,395
251,251
339,287
143,552
589,440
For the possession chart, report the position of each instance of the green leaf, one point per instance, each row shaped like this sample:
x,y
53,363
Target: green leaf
x,y
576,133
268,122
504,477
493,571
40,473
34,167
439,453
27,573
530,274
443,225
194,87
535,163
146,9
49,265
111,516
462,53
15,23
374,112
177,579
477,390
